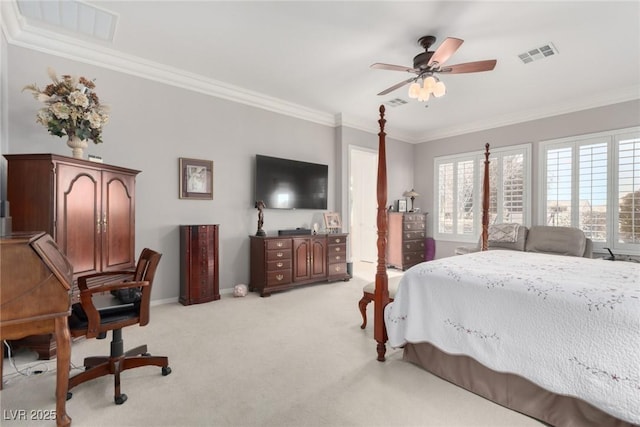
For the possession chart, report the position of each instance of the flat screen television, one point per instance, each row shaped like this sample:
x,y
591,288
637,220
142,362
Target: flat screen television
x,y
291,184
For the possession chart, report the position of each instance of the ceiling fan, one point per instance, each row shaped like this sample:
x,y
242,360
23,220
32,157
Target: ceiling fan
x,y
429,63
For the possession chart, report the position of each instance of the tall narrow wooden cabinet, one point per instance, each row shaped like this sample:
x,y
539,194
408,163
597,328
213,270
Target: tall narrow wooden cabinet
x,y
406,239
199,276
88,208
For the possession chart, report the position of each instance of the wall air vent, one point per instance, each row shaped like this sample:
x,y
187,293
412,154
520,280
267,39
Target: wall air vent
x,y
70,16
538,53
396,102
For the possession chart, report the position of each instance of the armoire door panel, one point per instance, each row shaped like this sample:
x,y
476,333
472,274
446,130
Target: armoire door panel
x,y
118,221
77,231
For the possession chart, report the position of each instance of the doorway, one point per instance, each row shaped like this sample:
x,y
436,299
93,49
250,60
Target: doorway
x,y
363,204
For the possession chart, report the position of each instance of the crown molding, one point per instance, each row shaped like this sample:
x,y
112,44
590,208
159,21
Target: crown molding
x,y
19,33
631,93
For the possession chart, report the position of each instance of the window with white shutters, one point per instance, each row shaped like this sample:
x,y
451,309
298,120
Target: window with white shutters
x,y
459,181
593,182
627,232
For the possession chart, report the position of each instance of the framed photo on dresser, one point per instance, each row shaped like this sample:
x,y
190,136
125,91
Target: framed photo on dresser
x,y
332,221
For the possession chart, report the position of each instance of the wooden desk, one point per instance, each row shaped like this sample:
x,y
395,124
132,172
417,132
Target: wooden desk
x,y
35,298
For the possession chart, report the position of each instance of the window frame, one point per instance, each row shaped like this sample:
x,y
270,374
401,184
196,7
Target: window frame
x,y
612,139
478,157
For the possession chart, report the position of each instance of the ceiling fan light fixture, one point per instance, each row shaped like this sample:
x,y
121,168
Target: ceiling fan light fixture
x,y
423,95
429,83
414,90
439,89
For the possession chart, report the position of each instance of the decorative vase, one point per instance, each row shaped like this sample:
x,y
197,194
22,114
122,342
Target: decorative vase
x,y
77,145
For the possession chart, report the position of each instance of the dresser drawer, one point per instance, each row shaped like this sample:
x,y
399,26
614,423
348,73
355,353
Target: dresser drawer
x,y
278,255
336,240
414,226
413,246
413,258
336,258
284,264
279,244
337,269
275,278
414,235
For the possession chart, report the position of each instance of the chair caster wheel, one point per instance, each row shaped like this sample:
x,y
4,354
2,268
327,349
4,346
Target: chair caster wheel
x,y
120,399
69,395
166,371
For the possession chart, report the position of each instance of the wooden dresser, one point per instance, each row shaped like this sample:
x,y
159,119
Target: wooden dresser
x,y
406,239
283,262
199,271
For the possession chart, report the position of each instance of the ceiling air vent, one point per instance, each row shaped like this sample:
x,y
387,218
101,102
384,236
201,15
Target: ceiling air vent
x,y
396,102
72,16
538,53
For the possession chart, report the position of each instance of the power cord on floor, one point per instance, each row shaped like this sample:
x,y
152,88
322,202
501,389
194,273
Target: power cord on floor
x,y
31,368
27,370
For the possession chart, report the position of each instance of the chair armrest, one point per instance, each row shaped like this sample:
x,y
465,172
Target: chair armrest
x,y
86,300
82,280
113,286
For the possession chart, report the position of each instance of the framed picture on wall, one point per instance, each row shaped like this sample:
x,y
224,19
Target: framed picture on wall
x,y
402,205
196,179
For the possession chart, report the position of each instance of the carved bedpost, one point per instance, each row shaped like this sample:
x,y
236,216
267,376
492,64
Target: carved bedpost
x,y
485,199
381,295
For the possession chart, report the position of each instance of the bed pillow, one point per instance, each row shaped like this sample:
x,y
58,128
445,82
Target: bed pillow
x,y
556,240
518,245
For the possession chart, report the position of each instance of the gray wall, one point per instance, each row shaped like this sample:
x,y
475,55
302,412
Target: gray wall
x,y
153,124
601,119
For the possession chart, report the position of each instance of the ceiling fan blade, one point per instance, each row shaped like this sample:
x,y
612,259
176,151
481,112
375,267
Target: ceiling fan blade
x,y
396,86
379,66
469,67
445,50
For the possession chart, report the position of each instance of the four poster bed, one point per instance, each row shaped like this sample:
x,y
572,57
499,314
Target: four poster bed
x,y
553,337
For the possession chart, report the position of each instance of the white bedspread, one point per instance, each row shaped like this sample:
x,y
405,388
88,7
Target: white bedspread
x,y
569,324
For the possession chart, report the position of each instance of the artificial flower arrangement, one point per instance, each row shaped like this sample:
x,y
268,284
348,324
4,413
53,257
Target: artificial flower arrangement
x,y
72,107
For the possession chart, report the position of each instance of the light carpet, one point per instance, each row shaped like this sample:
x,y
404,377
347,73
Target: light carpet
x,y
297,358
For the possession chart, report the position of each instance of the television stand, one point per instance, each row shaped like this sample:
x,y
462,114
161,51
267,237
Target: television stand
x,y
284,262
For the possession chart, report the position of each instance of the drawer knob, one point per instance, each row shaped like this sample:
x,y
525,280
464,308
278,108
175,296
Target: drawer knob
x,y
337,240
337,268
280,254
338,257
279,277
337,249
279,264
279,244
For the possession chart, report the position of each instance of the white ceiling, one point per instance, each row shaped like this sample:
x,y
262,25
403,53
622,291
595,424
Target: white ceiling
x,y
315,56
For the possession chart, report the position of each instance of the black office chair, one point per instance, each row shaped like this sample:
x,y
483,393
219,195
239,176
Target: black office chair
x,y
88,321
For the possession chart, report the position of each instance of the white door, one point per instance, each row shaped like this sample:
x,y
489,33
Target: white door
x,y
364,204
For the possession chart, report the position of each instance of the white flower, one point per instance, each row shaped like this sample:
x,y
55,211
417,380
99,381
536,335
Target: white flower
x,y
61,110
79,98
43,117
95,121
